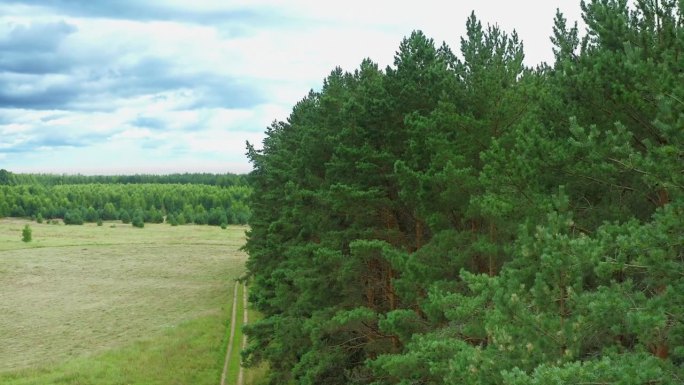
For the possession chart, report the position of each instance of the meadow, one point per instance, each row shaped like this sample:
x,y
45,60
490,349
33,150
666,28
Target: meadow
x,y
115,304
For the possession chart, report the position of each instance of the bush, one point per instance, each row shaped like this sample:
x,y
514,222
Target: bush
x,y
153,216
109,212
171,219
26,234
138,221
91,214
201,219
181,219
73,217
125,217
217,216
39,218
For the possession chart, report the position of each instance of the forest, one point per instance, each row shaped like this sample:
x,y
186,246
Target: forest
x,y
176,199
224,180
467,219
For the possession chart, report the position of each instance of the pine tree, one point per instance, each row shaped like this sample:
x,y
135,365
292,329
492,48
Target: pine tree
x,y
26,234
474,221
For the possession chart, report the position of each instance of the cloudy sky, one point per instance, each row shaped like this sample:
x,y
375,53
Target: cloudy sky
x,y
160,86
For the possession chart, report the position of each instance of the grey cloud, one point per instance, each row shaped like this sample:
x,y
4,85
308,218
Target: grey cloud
x,y
152,75
148,122
57,140
35,63
155,10
51,117
99,89
33,48
227,93
98,82
180,149
6,117
150,144
45,138
45,100
26,92
36,36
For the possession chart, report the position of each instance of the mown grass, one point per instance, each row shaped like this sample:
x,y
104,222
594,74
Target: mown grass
x,y
186,355
257,375
115,304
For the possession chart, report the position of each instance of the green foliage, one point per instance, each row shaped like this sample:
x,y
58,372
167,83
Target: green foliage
x,y
73,217
180,218
125,216
201,217
222,180
470,220
91,215
217,216
138,219
138,222
26,234
109,212
171,219
153,216
199,203
6,177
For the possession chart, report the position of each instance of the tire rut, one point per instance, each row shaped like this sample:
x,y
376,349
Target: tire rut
x,y
245,319
229,349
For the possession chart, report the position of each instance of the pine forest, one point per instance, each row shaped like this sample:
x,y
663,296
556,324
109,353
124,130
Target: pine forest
x,y
461,218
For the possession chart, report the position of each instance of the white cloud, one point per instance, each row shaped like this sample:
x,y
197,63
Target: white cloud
x,y
131,92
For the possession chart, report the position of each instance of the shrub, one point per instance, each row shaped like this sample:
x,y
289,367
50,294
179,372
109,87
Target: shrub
x,y
73,217
171,219
217,215
109,212
153,216
125,216
138,221
91,214
26,234
181,219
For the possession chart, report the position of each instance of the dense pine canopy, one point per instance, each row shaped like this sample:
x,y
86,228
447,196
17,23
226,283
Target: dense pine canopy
x,y
463,219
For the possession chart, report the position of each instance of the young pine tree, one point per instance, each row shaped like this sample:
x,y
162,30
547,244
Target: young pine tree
x,y
27,234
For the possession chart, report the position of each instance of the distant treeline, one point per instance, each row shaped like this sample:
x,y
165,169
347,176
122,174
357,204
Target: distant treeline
x,y
223,180
122,199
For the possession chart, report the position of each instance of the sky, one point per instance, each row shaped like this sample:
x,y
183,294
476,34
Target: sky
x,y
165,86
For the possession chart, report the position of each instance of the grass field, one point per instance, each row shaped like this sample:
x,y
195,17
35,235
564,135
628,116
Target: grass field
x,y
114,304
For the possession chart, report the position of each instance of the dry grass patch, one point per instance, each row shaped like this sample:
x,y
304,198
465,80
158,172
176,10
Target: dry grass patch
x,y
81,291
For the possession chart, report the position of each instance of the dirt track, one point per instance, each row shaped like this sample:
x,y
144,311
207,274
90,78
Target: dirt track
x,y
245,319
229,350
